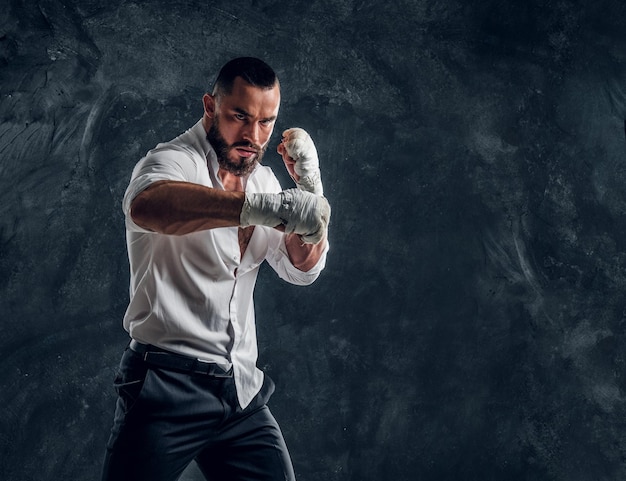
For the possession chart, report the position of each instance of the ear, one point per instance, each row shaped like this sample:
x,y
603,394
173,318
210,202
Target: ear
x,y
209,105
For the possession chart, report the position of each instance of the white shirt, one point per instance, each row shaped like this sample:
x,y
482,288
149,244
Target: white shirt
x,y
193,294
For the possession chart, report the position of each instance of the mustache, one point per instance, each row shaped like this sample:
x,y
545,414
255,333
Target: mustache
x,y
248,145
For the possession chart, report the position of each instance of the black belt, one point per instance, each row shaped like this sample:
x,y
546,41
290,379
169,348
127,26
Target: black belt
x,y
158,357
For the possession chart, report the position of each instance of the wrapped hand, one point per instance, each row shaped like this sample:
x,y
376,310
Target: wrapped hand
x,y
301,212
300,157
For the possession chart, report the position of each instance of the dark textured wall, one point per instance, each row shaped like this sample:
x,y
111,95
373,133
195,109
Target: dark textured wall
x,y
471,323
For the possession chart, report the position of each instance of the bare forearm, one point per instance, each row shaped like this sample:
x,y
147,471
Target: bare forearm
x,y
304,256
179,208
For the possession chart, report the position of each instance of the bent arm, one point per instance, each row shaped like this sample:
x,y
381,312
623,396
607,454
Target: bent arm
x,y
304,256
178,208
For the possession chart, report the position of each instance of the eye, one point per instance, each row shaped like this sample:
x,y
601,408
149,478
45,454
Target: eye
x,y
266,122
240,116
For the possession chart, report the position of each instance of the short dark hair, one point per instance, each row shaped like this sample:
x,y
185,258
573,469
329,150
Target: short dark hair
x,y
254,71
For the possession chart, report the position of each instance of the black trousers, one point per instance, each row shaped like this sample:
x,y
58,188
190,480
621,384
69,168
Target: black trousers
x,y
165,419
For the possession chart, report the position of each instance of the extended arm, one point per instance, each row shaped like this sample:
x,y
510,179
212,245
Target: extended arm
x,y
178,208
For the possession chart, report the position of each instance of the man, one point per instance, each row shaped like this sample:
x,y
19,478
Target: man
x,y
202,214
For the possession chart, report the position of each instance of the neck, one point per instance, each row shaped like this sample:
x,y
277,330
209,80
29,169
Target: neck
x,y
206,123
231,182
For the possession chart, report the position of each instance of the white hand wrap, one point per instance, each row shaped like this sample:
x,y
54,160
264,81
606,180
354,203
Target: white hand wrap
x,y
300,147
301,213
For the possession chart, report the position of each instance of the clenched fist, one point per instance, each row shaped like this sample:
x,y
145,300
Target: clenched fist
x,y
300,157
300,212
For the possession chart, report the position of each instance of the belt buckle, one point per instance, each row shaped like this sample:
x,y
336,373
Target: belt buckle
x,y
222,373
203,367
211,369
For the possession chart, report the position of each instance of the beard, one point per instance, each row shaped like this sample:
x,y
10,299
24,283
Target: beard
x,y
245,165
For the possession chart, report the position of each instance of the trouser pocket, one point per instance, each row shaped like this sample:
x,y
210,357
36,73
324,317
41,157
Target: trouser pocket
x,y
129,380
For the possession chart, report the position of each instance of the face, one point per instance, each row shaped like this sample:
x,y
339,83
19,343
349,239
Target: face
x,y
239,125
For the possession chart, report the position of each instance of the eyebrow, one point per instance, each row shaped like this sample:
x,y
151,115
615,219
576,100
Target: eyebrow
x,y
241,111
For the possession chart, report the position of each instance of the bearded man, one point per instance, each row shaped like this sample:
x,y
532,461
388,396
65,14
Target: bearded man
x,y
202,214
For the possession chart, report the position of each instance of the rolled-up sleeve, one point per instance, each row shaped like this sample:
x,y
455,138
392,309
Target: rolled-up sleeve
x,y
278,259
159,164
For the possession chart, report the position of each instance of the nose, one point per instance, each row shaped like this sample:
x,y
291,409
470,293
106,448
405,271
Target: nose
x,y
252,133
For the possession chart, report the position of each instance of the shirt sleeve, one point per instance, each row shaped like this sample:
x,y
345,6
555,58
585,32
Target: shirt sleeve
x,y
278,259
161,163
